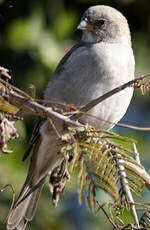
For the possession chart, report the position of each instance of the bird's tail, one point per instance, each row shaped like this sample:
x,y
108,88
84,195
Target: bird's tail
x,y
24,208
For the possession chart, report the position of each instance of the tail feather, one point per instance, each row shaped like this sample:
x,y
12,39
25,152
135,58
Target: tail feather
x,y
22,224
43,158
30,211
24,211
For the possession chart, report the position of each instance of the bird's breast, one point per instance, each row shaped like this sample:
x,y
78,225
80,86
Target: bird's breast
x,y
89,73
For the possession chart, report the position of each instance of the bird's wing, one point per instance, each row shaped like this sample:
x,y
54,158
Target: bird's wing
x,y
34,137
35,134
60,66
79,63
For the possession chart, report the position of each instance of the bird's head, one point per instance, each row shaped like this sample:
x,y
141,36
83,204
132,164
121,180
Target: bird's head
x,y
104,23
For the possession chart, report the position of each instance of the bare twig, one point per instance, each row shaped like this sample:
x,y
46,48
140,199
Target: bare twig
x,y
96,101
101,207
137,158
54,128
13,200
37,109
133,127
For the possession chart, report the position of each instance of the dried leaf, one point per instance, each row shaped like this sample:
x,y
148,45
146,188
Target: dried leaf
x,y
75,156
143,90
89,196
7,107
7,133
58,179
82,180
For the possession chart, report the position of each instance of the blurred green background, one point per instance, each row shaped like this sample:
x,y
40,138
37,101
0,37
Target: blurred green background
x,y
34,35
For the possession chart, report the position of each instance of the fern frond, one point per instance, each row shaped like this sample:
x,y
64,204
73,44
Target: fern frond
x,y
75,156
82,181
106,165
89,196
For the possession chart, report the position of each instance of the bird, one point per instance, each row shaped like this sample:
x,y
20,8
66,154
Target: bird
x,y
102,60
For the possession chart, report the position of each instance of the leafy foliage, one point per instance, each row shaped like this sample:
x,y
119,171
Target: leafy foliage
x,y
102,165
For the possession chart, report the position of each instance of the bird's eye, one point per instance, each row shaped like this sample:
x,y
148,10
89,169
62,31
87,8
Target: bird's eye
x,y
99,22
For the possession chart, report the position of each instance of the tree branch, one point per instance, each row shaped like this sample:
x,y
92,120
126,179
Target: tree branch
x,y
98,100
31,106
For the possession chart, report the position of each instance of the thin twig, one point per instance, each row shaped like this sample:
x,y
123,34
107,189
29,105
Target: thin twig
x,y
96,101
12,203
102,208
54,128
137,158
133,127
37,109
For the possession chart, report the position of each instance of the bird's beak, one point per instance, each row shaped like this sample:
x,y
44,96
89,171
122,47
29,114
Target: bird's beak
x,y
84,25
